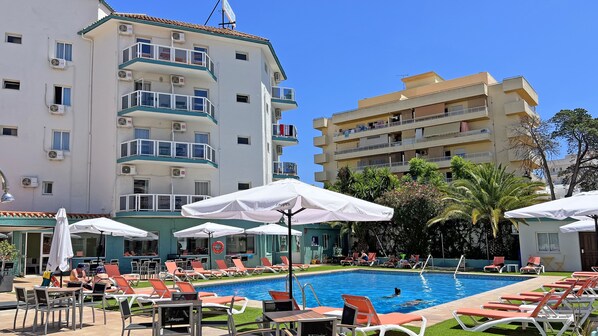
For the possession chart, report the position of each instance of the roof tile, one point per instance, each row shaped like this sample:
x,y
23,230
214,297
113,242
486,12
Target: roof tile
x,y
46,215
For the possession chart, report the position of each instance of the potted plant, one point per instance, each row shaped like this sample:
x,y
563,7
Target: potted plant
x,y
8,253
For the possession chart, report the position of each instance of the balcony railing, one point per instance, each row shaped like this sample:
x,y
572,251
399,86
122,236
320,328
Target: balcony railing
x,y
411,141
283,93
285,168
411,121
157,202
168,101
282,130
171,149
168,54
470,156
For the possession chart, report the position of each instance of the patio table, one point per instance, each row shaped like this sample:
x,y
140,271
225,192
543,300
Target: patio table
x,y
72,293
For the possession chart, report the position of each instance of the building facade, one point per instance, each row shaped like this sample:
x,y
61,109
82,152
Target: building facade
x,y
132,117
432,118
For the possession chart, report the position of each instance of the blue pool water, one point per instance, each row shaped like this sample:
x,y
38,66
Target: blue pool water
x,y
432,288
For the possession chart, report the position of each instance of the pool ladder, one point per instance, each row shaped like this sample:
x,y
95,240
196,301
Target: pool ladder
x,y
461,260
303,287
426,263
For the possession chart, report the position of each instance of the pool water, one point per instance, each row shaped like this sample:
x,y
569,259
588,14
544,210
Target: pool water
x,y
417,292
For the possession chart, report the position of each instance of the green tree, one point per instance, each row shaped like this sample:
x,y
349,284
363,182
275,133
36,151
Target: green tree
x,y
460,167
487,194
414,204
424,172
579,130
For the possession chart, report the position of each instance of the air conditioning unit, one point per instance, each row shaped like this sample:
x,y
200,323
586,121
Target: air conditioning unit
x,y
277,77
178,172
125,75
278,150
177,80
58,63
124,122
277,113
178,37
55,155
178,126
125,29
57,109
128,170
29,182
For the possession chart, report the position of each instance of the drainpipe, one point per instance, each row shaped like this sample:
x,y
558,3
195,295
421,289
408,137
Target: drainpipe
x,y
90,123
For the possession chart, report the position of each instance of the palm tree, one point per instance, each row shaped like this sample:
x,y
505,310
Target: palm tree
x,y
487,192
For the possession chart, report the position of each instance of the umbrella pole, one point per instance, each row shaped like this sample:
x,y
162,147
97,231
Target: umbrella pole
x,y
596,230
209,251
290,254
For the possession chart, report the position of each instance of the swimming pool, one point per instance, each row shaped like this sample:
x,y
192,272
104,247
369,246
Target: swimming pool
x,y
432,288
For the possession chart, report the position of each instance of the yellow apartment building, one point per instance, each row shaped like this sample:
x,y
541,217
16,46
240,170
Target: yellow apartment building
x,y
432,118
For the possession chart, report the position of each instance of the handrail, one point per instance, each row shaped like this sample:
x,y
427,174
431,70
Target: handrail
x,y
313,291
426,263
169,101
459,264
435,159
286,284
165,148
285,168
167,54
283,93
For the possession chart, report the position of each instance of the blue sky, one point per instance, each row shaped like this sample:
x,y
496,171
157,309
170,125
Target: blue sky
x,y
337,52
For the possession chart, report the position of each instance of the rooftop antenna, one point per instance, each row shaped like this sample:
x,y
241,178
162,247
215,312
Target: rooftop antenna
x,y
227,13
213,9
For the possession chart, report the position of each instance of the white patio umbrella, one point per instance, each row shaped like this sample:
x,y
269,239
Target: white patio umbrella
x,y
272,230
299,202
103,225
582,204
3,236
61,249
209,230
587,225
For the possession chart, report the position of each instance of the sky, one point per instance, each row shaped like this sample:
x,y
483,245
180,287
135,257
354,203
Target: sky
x,y
337,52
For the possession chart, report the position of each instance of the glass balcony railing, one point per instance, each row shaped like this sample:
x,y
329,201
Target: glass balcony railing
x,y
285,131
285,168
283,93
168,54
157,202
168,101
469,156
168,149
412,141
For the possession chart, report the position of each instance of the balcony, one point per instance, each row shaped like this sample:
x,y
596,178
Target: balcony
x,y
320,123
147,57
282,170
522,87
412,143
442,162
520,107
183,154
320,141
472,113
167,106
146,203
285,135
321,176
320,158
283,98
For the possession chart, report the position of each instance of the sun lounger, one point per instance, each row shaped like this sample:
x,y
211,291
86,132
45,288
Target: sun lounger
x,y
187,287
178,274
273,268
368,320
497,317
371,260
533,265
277,295
498,265
114,271
350,260
198,267
229,271
285,261
125,291
247,270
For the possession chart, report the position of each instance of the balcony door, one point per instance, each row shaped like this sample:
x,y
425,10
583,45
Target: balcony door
x,y
145,201
200,104
199,151
146,147
147,97
146,47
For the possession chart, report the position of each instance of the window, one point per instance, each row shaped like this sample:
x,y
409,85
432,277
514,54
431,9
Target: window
x,y
13,38
64,51
243,140
8,130
240,244
146,246
202,188
282,244
241,56
140,186
242,99
193,246
47,187
62,95
325,241
86,245
11,84
243,186
548,242
202,138
61,140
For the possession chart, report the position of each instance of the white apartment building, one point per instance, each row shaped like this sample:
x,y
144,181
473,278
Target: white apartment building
x,y
132,116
